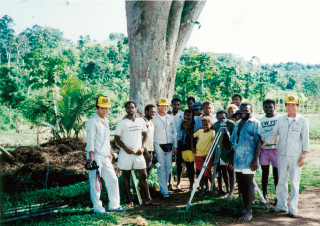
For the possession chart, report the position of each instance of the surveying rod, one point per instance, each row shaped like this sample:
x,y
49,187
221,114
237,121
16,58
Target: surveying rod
x,y
259,191
134,178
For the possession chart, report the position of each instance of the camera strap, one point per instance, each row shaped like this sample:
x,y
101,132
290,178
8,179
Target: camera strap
x,y
98,180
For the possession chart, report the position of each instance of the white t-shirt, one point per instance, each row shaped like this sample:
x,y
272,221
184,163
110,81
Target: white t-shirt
x,y
131,132
178,119
267,125
149,142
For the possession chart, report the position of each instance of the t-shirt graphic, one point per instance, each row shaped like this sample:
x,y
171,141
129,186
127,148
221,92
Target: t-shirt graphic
x,y
267,125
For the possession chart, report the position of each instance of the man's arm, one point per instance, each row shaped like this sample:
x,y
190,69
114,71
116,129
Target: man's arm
x,y
91,134
175,141
144,139
305,143
254,163
122,145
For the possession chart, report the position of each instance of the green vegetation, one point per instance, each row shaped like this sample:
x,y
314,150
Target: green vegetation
x,y
39,63
209,210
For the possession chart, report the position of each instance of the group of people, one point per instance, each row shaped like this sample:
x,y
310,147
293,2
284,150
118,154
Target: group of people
x,y
164,134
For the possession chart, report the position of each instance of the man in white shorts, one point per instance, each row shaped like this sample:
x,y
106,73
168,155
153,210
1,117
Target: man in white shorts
x,y
131,136
98,150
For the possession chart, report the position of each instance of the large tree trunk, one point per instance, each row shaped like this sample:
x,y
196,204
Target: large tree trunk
x,y
158,32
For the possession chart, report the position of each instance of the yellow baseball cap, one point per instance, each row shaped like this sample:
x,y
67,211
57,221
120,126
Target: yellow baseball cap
x,y
163,101
104,102
292,100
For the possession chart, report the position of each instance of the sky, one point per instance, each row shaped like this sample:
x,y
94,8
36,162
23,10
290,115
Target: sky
x,y
273,30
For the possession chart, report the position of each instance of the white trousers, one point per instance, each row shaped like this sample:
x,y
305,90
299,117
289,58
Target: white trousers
x,y
163,172
288,166
110,178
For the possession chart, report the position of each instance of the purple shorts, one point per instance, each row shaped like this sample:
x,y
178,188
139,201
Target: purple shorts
x,y
267,156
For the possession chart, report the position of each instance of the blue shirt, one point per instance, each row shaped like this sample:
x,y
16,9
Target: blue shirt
x,y
245,148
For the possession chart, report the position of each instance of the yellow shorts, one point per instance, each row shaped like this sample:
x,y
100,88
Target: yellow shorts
x,y
188,156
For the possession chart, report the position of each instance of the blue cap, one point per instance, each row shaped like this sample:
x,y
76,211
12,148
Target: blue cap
x,y
238,112
197,106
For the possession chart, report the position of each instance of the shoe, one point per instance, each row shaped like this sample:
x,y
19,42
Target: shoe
x,y
166,196
293,215
102,211
170,187
178,187
275,210
119,210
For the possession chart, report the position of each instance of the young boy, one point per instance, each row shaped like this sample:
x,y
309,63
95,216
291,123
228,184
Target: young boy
x,y
184,152
268,153
226,152
206,137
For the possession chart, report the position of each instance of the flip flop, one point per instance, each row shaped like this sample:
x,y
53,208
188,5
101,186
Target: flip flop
x,y
152,203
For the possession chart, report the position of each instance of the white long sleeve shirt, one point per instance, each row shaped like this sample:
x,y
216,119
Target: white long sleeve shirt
x,y
293,137
165,130
178,119
98,135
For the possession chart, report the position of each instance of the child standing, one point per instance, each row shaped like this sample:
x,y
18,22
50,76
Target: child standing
x,y
185,149
206,136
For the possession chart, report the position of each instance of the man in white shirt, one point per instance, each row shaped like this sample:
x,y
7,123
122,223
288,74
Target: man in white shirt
x,y
268,153
292,131
178,119
165,143
98,150
150,112
131,136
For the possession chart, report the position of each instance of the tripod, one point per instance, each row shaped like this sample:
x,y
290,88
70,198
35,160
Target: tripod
x,y
218,138
222,130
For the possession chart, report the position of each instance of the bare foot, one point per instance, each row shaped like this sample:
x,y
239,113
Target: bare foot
x,y
246,217
130,205
152,203
229,197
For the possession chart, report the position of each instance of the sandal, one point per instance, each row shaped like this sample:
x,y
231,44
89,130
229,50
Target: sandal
x,y
152,203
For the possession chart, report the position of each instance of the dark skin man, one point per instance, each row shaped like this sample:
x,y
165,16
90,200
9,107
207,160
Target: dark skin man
x,y
143,178
245,183
269,109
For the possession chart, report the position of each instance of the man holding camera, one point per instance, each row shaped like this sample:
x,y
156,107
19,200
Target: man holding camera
x,y
99,159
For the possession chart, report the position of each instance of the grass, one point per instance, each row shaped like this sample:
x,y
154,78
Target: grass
x,y
208,211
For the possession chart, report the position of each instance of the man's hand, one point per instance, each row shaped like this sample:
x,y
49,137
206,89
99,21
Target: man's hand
x,y
91,159
175,151
301,161
129,150
110,158
254,165
230,166
140,151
